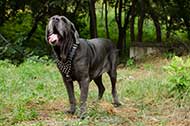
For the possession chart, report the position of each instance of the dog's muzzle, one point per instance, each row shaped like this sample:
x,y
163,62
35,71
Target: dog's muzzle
x,y
53,39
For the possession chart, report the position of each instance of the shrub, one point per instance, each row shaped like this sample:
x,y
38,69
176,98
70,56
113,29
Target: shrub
x,y
179,76
169,55
130,62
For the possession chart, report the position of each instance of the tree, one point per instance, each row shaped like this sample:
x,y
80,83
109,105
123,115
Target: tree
x,y
141,20
121,5
3,11
152,10
92,13
106,18
157,26
132,20
149,10
33,15
175,15
184,13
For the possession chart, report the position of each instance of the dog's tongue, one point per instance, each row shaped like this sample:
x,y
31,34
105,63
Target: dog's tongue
x,y
53,37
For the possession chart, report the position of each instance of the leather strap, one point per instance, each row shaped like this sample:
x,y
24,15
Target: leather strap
x,y
66,67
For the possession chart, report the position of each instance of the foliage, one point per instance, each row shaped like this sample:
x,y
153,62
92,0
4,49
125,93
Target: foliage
x,y
130,62
169,55
23,23
14,31
179,71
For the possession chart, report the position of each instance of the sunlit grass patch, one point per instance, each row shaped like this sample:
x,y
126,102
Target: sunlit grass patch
x,y
33,93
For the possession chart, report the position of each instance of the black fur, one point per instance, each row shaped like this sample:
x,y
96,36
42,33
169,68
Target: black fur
x,y
93,58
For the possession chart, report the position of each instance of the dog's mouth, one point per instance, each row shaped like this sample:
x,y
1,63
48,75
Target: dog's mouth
x,y
54,37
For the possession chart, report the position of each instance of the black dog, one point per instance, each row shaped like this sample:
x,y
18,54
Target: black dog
x,y
81,60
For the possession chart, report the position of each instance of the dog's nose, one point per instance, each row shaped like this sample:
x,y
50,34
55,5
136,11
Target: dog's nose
x,y
55,18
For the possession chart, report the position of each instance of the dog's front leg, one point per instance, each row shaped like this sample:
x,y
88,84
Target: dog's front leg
x,y
84,85
70,90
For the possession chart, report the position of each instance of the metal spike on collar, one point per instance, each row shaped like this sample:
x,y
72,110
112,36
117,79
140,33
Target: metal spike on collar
x,y
66,67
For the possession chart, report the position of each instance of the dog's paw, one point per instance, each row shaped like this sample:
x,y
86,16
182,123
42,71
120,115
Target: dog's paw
x,y
72,112
82,116
116,104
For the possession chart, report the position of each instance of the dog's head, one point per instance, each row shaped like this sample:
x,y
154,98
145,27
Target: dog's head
x,y
60,31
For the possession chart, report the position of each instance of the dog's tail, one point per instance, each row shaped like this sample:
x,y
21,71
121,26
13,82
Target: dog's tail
x,y
114,57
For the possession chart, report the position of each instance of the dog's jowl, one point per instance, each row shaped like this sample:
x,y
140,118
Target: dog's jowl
x,y
81,60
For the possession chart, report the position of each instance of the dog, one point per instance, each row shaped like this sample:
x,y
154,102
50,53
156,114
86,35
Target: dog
x,y
89,60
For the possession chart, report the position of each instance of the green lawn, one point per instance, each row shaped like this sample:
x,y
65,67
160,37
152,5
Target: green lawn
x,y
33,94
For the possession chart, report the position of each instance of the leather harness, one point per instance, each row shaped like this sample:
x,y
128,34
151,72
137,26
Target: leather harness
x,y
66,67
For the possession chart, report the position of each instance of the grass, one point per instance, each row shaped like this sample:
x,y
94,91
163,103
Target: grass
x,y
33,94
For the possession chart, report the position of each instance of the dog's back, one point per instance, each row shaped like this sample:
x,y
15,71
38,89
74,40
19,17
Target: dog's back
x,y
104,56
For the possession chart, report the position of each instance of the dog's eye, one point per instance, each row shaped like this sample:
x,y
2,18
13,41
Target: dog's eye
x,y
64,20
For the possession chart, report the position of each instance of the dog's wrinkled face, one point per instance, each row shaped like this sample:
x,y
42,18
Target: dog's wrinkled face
x,y
58,29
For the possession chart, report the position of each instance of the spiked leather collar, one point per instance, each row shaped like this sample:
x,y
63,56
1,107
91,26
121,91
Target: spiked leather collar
x,y
66,67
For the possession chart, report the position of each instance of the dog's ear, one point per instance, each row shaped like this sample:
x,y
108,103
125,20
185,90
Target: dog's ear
x,y
46,34
64,19
76,34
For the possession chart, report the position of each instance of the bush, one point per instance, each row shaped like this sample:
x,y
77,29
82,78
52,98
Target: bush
x,y
179,76
15,32
169,55
130,62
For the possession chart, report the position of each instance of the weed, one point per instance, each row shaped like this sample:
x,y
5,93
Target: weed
x,y
130,62
169,55
179,71
21,114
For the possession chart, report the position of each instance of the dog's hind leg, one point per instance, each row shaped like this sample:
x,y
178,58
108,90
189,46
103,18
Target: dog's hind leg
x,y
100,86
113,76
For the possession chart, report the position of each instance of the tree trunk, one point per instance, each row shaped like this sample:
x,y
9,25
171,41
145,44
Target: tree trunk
x,y
187,24
120,41
157,26
2,10
127,15
42,12
132,21
77,6
31,32
141,21
168,27
121,44
92,13
106,19
158,30
119,23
